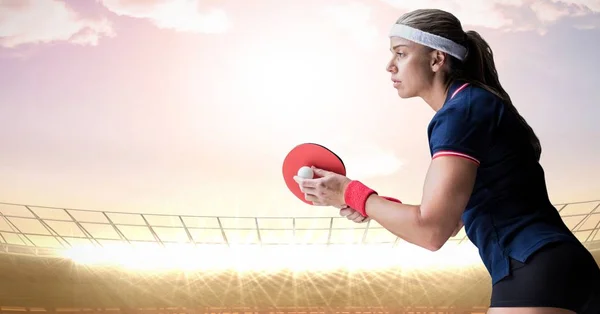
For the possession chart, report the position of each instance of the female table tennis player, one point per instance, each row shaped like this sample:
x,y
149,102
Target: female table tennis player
x,y
484,172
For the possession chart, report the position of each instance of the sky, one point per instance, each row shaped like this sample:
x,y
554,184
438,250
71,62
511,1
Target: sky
x,y
190,106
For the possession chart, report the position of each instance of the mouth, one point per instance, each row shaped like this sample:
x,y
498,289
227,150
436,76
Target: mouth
x,y
396,83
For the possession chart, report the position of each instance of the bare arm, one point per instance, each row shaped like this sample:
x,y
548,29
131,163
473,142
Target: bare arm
x,y
460,136
447,189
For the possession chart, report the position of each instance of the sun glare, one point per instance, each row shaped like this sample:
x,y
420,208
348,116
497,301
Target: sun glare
x,y
274,258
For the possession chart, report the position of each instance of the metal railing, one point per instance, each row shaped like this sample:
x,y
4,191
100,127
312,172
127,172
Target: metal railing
x,y
42,230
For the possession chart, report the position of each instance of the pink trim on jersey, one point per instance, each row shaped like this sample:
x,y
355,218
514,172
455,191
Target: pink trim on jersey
x,y
459,89
451,153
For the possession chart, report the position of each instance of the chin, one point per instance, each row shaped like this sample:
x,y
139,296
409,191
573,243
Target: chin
x,y
404,94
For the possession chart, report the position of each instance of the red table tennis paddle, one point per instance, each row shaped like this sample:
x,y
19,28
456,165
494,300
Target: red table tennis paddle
x,y
309,154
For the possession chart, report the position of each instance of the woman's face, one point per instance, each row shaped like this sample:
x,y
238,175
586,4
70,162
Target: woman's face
x,y
410,67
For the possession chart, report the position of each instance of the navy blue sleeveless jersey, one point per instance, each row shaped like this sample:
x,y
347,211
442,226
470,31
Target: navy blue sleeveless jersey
x,y
509,213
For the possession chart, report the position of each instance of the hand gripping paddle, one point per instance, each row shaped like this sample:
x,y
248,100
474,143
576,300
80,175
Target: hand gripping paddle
x,y
308,155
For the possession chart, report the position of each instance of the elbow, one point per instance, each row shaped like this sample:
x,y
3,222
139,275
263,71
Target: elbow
x,y
430,240
436,235
434,245
433,239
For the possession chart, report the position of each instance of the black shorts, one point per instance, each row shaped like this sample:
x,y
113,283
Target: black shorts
x,y
562,275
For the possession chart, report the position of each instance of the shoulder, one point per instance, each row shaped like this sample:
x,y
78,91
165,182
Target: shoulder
x,y
466,124
473,105
473,102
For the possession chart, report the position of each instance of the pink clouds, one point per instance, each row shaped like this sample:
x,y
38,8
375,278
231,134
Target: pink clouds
x,y
593,5
43,21
515,15
179,15
356,19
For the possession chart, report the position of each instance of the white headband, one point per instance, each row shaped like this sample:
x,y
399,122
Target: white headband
x,y
429,40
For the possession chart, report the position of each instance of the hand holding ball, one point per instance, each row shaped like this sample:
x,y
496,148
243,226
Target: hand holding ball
x,y
299,161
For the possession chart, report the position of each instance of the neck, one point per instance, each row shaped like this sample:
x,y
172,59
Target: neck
x,y
435,97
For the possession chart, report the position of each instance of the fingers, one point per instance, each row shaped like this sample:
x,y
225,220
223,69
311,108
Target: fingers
x,y
321,191
344,212
307,186
307,183
311,183
321,172
311,191
311,198
353,215
361,219
314,200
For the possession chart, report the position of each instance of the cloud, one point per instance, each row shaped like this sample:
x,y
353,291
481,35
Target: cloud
x,y
178,15
43,21
365,160
354,19
512,15
593,5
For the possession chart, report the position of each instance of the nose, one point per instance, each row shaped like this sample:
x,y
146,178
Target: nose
x,y
391,67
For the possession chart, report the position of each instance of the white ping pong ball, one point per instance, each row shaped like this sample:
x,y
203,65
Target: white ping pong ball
x,y
305,172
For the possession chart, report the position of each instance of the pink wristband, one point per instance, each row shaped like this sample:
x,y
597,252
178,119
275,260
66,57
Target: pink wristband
x,y
356,195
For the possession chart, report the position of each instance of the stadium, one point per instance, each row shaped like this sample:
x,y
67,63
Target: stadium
x,y
58,260
142,142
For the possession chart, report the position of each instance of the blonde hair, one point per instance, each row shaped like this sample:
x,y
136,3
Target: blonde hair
x,y
478,68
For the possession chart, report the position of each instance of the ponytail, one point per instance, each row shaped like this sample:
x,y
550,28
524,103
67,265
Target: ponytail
x,y
479,69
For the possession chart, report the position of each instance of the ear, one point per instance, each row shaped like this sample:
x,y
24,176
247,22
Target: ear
x,y
438,60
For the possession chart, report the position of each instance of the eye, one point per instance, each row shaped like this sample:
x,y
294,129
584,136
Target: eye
x,y
400,54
